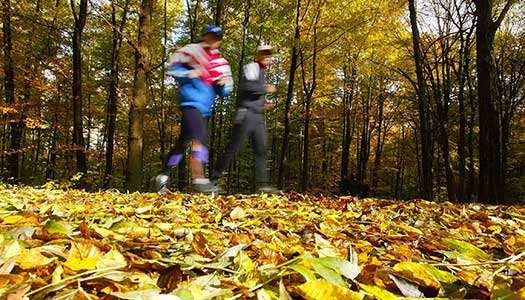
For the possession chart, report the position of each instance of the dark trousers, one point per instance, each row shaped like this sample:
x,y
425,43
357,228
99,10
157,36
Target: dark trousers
x,y
194,127
247,124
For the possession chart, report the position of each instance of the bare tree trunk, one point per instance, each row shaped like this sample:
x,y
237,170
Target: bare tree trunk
x,y
379,143
78,136
113,86
462,76
143,52
289,96
218,12
366,132
424,118
348,97
192,19
9,74
491,177
309,89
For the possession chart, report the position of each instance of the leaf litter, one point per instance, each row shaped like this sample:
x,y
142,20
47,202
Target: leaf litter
x,y
71,244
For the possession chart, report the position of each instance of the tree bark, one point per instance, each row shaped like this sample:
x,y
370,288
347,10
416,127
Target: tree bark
x,y
379,143
143,52
78,136
14,119
113,87
348,97
491,175
309,89
192,19
423,109
289,96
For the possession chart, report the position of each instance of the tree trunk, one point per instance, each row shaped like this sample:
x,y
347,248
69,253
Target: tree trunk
x,y
309,89
366,131
491,176
78,136
424,118
9,83
143,52
218,12
462,77
289,96
348,97
192,19
218,112
379,143
113,86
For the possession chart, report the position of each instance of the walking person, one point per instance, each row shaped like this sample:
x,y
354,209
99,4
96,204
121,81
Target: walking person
x,y
202,74
249,120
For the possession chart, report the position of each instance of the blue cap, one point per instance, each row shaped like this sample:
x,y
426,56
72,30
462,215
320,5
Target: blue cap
x,y
213,29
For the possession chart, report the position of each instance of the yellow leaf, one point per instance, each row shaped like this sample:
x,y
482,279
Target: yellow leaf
x,y
417,273
19,292
83,256
479,279
112,259
409,229
108,233
322,289
218,217
163,226
76,264
57,274
496,229
262,294
11,248
326,249
9,220
32,258
237,213
243,261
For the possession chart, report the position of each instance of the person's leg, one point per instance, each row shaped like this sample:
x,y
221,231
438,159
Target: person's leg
x,y
237,136
260,141
199,137
199,156
177,152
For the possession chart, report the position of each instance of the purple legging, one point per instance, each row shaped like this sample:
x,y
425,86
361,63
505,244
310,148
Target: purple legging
x,y
193,128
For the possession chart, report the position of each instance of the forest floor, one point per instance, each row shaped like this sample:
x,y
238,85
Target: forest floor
x,y
69,244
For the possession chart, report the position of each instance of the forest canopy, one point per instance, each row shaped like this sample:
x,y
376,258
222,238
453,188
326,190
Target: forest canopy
x,y
386,98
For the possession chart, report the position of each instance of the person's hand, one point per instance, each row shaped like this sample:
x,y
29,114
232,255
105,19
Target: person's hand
x,y
267,106
196,73
270,88
220,82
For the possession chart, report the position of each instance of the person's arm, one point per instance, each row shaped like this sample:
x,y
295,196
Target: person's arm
x,y
224,86
179,67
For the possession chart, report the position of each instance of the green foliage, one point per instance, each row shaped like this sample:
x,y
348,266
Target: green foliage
x,y
364,49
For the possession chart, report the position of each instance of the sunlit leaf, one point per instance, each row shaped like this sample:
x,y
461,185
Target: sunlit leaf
x,y
417,273
283,293
408,289
58,227
341,266
327,272
33,258
150,294
379,293
466,249
323,289
237,213
442,276
307,273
